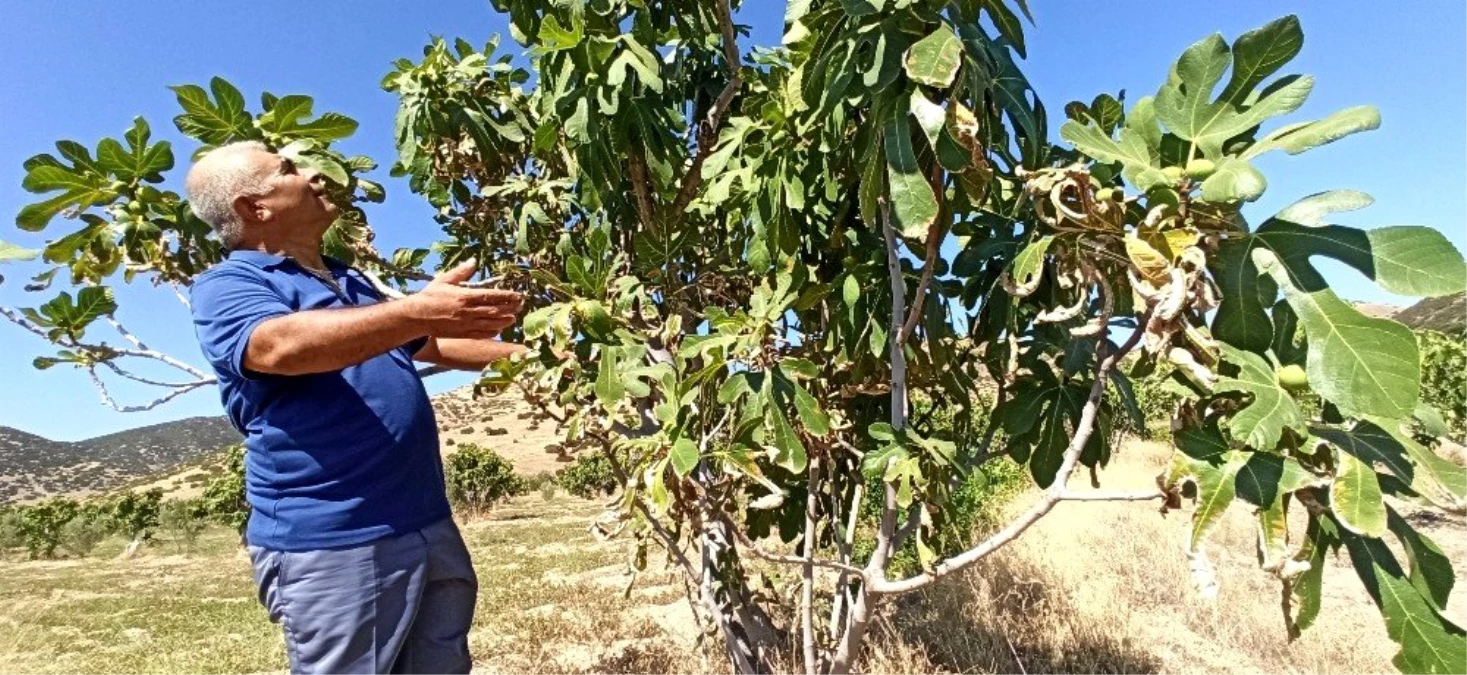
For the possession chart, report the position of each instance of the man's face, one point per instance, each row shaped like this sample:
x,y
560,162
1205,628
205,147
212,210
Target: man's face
x,y
294,197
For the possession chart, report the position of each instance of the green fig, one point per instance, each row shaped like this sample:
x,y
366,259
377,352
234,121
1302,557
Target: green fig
x,y
1293,378
1200,169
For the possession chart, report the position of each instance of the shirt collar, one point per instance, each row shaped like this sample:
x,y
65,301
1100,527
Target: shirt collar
x,y
265,260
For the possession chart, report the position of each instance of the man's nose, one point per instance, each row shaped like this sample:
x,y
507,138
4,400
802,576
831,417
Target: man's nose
x,y
312,176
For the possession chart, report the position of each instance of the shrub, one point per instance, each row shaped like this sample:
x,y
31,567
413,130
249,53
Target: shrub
x,y
224,495
134,515
478,477
972,508
544,483
183,520
1157,396
11,533
41,525
588,477
81,534
1444,378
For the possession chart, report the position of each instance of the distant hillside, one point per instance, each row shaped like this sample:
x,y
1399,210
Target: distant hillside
x,y
179,457
32,466
1446,314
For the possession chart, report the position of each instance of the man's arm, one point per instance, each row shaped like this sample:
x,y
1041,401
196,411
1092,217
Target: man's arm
x,y
323,340
461,354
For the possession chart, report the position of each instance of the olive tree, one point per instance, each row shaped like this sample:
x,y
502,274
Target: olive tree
x,y
742,265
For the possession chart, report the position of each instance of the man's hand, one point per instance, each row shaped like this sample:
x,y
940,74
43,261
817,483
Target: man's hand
x,y
448,310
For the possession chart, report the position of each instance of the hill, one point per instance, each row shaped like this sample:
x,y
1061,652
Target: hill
x,y
1446,314
32,467
180,456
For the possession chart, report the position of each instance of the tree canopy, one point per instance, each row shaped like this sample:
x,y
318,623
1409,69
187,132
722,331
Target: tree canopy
x,y
732,260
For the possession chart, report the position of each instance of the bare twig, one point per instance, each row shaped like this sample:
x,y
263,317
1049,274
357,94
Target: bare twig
x,y
18,320
125,333
764,554
1143,496
156,383
108,401
179,294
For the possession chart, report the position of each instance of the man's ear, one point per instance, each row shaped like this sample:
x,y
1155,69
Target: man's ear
x,y
250,209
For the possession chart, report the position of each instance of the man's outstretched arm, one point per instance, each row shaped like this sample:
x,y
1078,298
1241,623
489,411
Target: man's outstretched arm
x,y
463,354
323,340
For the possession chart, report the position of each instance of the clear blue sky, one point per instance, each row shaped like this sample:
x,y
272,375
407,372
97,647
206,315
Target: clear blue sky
x,y
83,69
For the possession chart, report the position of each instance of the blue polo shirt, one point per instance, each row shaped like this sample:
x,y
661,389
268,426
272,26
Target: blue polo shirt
x,y
332,459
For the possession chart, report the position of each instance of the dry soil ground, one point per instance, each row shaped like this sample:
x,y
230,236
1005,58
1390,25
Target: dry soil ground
x,y
1092,588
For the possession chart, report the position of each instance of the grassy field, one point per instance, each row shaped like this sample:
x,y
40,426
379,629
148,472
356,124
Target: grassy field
x,y
1092,588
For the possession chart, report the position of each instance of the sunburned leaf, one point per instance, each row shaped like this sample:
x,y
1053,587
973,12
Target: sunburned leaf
x,y
934,59
1356,499
913,205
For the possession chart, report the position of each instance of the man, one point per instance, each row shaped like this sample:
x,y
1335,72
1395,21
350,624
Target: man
x,y
353,547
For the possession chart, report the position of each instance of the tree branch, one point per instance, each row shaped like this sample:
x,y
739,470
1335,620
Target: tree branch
x,y
23,323
935,234
875,572
708,134
108,401
763,554
1057,491
807,573
853,515
1148,495
637,174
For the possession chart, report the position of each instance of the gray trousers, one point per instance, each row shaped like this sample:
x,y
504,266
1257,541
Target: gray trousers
x,y
401,604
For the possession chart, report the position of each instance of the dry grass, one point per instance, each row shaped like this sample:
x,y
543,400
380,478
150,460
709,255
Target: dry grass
x,y
1105,588
1092,588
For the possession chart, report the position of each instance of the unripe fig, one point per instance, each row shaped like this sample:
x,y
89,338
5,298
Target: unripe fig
x,y
148,193
1293,378
1172,173
1200,169
135,207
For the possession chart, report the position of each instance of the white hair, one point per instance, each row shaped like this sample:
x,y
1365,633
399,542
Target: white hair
x,y
215,182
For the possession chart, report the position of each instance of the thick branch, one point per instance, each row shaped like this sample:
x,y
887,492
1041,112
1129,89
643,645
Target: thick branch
x,y
807,573
1056,492
853,515
875,573
637,174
